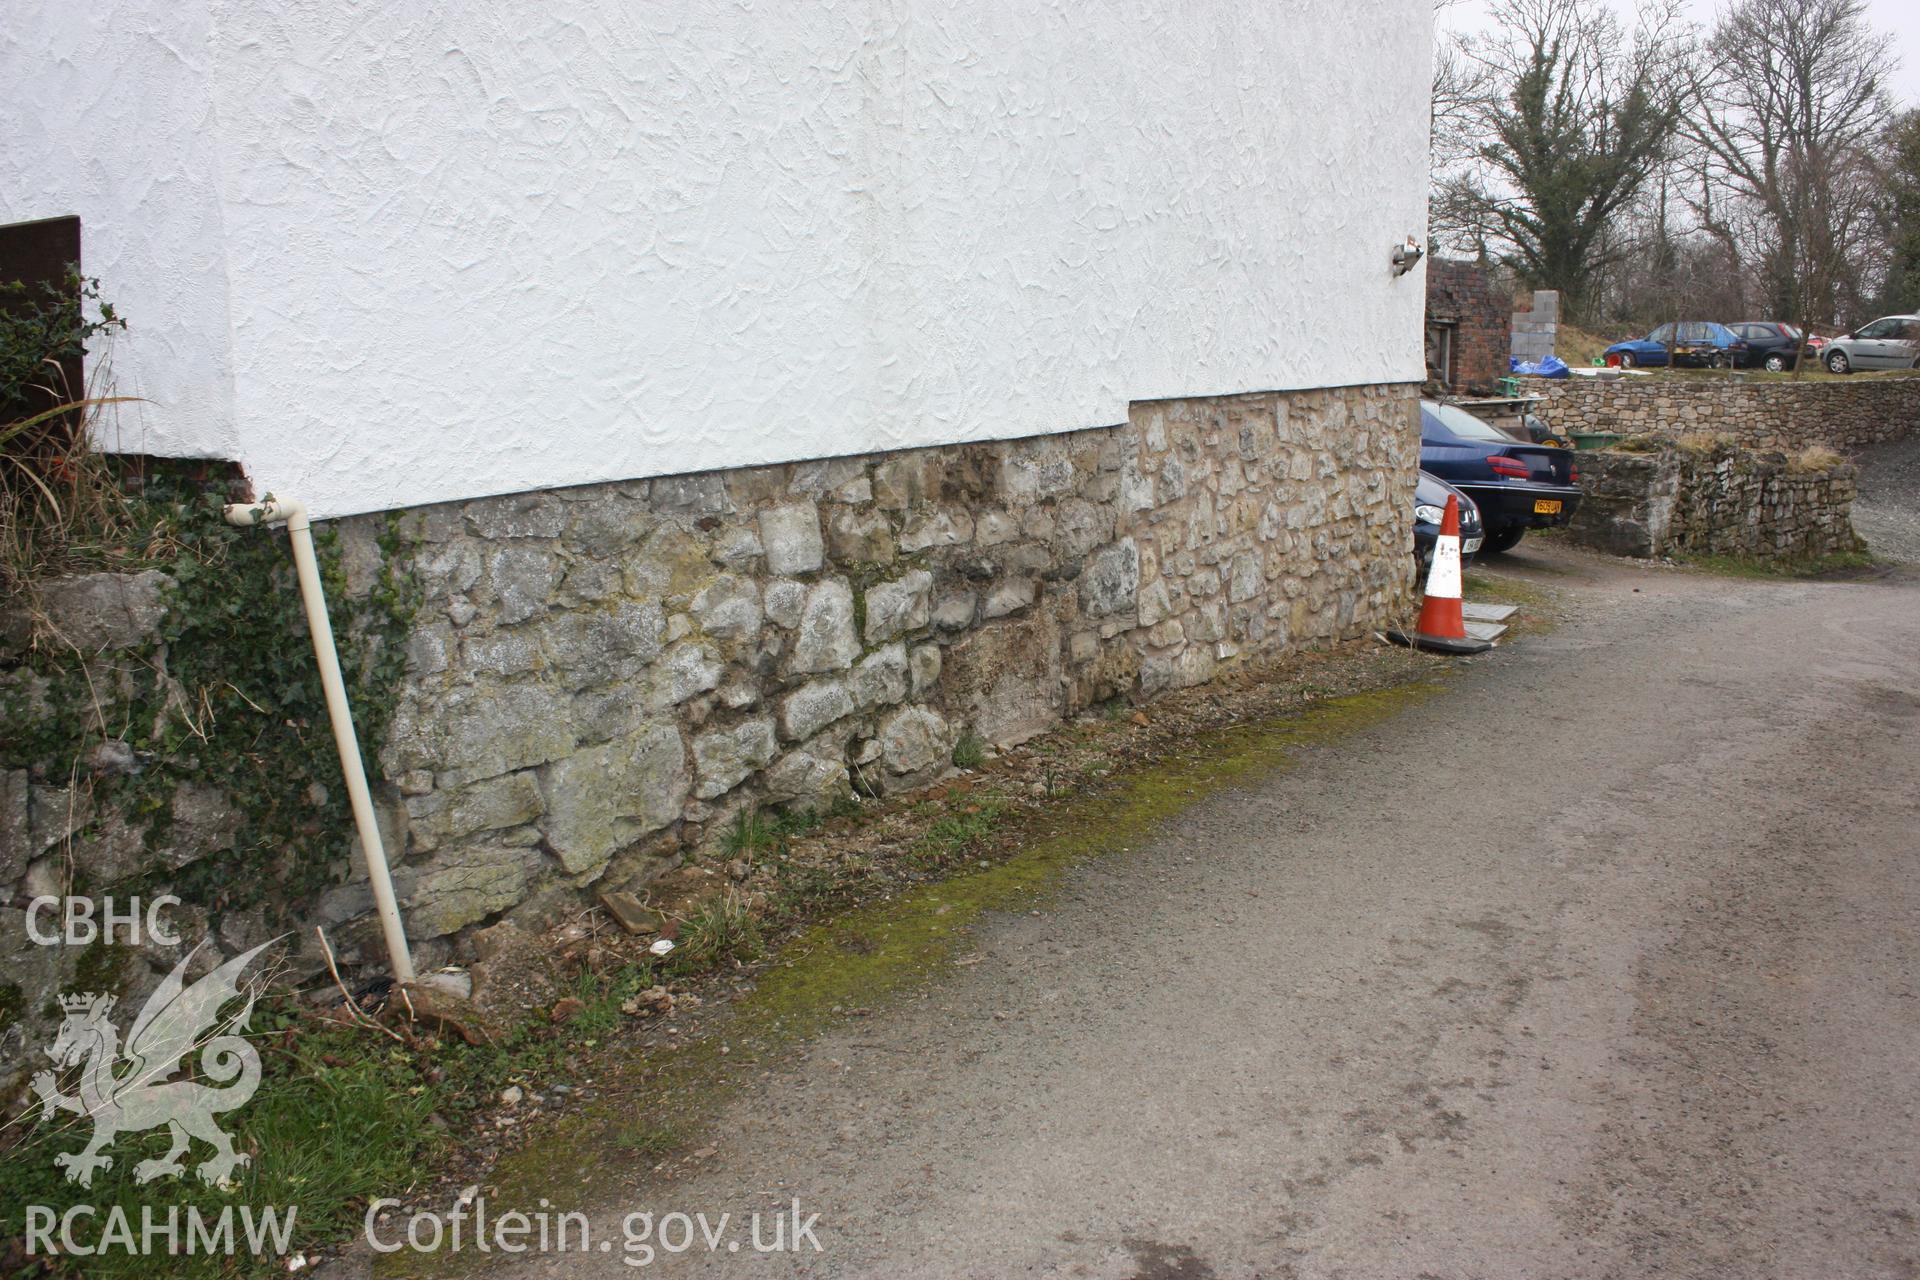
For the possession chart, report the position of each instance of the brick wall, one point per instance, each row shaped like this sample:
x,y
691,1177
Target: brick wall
x,y
1460,294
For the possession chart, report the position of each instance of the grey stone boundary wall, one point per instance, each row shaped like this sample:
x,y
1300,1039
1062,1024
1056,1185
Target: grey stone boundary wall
x,y
1766,411
601,679
1713,498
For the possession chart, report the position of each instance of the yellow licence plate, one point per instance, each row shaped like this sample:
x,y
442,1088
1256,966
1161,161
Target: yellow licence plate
x,y
1546,506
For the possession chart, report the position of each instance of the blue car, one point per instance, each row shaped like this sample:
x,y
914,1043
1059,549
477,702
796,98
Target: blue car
x,y
1695,342
1430,496
1517,486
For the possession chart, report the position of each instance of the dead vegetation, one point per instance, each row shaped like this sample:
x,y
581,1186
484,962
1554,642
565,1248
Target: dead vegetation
x,y
61,501
1813,460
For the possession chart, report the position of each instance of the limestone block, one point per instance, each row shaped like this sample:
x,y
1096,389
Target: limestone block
x,y
488,804
804,779
882,678
1009,597
943,528
826,640
915,740
95,611
860,536
785,600
814,706
728,608
1005,678
522,578
924,666
602,798
1112,579
791,535
897,607
464,885
725,757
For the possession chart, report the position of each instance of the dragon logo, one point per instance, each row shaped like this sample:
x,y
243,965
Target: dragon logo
x,y
126,1090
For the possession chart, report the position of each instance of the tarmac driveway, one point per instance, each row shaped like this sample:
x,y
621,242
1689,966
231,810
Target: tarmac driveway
x,y
1605,962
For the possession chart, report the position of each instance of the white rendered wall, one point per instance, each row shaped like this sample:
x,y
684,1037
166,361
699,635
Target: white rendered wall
x,y
394,254
106,110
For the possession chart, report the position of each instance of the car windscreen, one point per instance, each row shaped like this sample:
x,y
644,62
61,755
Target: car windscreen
x,y
1461,424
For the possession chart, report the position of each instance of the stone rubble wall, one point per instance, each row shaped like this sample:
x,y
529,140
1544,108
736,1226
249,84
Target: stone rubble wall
x,y
1763,412
1715,500
600,679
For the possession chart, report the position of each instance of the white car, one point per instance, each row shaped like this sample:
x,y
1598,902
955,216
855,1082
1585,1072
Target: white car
x,y
1891,342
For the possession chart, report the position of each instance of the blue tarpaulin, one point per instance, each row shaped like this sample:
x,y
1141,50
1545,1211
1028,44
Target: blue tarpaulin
x,y
1550,367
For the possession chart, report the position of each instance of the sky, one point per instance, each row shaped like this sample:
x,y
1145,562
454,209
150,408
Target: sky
x,y
1896,17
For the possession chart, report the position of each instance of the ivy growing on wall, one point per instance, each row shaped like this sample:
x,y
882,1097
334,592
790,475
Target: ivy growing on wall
x,y
229,699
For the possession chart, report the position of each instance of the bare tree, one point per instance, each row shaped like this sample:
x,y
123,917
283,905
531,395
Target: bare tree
x,y
1897,161
1791,98
1460,90
1567,116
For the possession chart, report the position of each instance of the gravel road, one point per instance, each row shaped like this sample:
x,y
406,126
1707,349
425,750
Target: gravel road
x,y
1604,962
1887,511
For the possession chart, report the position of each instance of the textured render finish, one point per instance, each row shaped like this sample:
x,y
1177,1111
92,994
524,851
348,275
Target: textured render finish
x,y
107,112
473,249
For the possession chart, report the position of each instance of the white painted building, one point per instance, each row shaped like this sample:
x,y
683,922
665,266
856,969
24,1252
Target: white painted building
x,y
387,255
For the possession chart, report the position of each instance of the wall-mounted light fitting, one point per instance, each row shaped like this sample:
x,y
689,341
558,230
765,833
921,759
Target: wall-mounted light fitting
x,y
1407,255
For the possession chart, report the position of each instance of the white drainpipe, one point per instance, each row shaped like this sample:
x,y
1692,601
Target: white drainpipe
x,y
294,514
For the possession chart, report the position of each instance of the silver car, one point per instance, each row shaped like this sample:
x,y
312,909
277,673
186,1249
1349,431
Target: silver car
x,y
1891,342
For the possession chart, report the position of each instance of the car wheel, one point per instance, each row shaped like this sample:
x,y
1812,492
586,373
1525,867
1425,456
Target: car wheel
x,y
1776,363
1503,540
1628,360
1718,360
1837,362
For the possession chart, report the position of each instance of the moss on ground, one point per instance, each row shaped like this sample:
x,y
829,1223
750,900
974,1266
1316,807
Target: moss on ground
x,y
1844,564
666,1100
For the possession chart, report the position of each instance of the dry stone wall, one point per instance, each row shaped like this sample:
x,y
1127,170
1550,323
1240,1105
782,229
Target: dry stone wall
x,y
599,679
1713,500
1761,412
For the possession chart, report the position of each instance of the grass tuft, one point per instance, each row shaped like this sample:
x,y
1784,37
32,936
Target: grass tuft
x,y
969,751
956,835
721,930
1819,458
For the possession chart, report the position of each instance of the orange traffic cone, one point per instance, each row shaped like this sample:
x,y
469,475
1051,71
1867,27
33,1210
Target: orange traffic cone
x,y
1442,627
